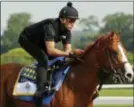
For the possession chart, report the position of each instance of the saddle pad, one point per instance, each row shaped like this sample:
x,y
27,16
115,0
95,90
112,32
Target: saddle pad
x,y
25,86
25,91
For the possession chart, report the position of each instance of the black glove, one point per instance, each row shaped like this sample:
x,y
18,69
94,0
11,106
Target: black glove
x,y
71,55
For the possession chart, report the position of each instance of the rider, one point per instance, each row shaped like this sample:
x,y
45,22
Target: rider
x,y
39,41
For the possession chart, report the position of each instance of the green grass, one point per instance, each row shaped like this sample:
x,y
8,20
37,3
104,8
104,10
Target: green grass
x,y
116,92
113,105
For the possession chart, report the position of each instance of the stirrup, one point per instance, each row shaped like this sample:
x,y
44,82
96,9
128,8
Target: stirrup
x,y
39,93
49,88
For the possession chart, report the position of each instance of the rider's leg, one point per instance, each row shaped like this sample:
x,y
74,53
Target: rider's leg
x,y
42,58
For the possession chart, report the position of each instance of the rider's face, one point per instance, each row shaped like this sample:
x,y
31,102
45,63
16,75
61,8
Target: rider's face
x,y
69,23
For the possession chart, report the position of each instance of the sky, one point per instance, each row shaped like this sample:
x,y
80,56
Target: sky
x,y
42,10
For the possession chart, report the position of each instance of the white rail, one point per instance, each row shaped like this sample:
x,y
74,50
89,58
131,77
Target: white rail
x,y
118,86
114,100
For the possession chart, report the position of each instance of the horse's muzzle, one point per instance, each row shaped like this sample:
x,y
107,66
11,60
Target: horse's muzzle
x,y
129,73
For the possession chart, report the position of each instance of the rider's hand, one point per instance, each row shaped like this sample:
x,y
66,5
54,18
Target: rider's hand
x,y
78,52
71,55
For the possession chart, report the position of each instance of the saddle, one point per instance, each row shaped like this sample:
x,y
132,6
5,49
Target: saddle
x,y
25,86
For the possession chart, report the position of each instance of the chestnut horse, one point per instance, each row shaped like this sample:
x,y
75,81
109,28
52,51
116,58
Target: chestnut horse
x,y
81,82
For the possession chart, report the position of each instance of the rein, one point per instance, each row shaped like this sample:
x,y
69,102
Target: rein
x,y
105,73
111,64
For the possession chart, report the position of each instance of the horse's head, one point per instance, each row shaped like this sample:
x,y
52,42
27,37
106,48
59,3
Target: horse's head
x,y
111,55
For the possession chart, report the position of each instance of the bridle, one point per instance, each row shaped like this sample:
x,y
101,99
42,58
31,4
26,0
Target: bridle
x,y
112,68
111,63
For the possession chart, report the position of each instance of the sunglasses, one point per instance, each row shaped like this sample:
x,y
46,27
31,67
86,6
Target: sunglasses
x,y
71,20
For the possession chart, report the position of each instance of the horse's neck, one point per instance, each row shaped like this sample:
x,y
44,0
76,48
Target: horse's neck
x,y
80,83
83,76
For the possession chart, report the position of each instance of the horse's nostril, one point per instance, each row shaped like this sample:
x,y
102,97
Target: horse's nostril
x,y
129,75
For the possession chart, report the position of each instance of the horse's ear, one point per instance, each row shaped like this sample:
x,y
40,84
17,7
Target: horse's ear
x,y
118,34
111,33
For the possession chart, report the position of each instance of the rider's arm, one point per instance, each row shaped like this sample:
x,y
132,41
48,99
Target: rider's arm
x,y
67,47
51,50
50,44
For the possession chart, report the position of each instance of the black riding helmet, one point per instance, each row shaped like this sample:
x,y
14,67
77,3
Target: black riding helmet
x,y
69,12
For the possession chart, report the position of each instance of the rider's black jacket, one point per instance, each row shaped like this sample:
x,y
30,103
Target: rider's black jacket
x,y
47,30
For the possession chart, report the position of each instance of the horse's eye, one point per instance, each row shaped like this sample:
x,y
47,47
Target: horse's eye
x,y
114,54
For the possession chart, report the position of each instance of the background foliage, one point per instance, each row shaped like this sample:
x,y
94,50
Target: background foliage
x,y
90,29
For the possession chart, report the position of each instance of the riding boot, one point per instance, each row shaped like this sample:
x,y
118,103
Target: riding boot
x,y
48,84
44,83
38,101
44,79
41,79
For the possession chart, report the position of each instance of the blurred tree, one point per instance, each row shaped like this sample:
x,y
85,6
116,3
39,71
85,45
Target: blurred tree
x,y
84,40
15,25
130,56
17,55
123,23
89,24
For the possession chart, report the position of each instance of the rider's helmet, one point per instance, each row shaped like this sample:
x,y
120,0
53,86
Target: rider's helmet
x,y
69,12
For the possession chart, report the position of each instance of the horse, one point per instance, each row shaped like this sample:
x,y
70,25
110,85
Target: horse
x,y
105,54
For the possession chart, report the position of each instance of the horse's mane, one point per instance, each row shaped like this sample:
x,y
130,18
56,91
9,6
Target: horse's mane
x,y
96,42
